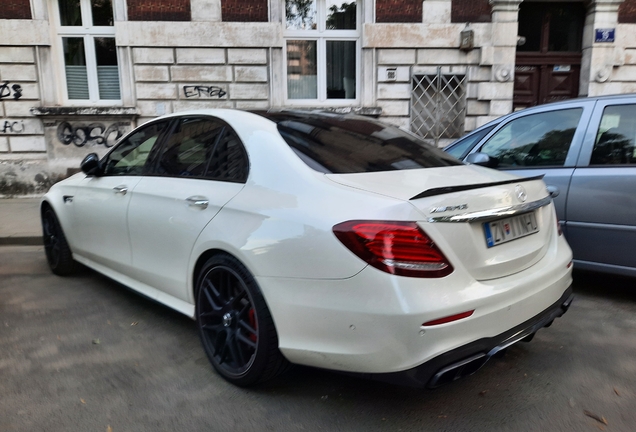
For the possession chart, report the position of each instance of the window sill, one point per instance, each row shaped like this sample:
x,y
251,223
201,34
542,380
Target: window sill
x,y
84,111
365,111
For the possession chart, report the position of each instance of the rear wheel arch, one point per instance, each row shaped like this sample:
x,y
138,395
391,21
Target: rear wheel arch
x,y
228,301
203,258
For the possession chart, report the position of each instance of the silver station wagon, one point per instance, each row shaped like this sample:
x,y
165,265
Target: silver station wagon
x,y
585,148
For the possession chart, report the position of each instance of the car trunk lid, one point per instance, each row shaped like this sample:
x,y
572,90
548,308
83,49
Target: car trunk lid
x,y
491,222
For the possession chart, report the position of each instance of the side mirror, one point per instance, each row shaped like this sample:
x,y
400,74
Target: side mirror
x,y
90,165
482,159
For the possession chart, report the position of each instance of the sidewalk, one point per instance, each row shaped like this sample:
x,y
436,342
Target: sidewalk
x,y
20,221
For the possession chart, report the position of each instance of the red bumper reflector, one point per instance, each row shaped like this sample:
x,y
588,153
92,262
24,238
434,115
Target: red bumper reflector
x,y
449,318
570,264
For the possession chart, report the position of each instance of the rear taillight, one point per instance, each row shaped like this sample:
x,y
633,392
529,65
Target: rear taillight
x,y
399,248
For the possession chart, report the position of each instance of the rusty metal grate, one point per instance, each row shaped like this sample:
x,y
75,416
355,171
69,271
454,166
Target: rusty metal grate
x,y
438,105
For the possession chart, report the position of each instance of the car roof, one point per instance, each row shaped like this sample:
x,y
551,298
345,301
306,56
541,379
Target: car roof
x,y
544,107
557,104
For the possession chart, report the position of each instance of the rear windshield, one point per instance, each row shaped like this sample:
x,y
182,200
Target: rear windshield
x,y
332,143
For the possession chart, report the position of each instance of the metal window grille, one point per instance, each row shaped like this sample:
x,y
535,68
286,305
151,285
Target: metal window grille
x,y
438,105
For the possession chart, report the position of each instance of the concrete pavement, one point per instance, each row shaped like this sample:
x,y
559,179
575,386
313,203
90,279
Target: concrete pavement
x,y
20,221
82,353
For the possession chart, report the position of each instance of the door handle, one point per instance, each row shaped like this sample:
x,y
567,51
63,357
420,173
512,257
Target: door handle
x,y
198,201
121,189
553,191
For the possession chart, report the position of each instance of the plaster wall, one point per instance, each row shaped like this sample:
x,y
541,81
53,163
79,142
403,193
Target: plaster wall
x,y
23,157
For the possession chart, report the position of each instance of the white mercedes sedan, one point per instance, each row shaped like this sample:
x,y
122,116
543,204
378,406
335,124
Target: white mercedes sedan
x,y
317,239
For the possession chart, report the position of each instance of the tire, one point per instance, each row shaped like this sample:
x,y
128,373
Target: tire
x,y
235,325
58,253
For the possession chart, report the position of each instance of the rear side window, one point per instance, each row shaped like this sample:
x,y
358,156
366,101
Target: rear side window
x,y
615,138
541,139
188,149
203,148
229,160
352,144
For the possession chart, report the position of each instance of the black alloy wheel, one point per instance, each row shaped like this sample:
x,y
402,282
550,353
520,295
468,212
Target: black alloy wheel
x,y
235,326
58,253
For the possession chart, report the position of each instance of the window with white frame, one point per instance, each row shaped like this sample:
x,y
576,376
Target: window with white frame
x,y
86,35
322,51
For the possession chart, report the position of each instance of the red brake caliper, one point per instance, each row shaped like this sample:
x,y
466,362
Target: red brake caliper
x,y
252,317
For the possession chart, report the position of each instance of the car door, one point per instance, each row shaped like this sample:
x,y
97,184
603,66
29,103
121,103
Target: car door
x,y
541,141
201,166
101,202
601,205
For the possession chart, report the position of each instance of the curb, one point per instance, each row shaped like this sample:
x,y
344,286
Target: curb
x,y
21,241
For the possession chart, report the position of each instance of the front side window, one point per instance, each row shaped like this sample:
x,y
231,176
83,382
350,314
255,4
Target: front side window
x,y
130,156
616,137
322,43
534,140
87,37
461,147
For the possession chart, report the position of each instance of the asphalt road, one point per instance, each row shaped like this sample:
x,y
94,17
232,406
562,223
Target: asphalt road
x,y
85,354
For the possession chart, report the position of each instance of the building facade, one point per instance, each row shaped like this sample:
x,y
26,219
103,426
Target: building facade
x,y
75,75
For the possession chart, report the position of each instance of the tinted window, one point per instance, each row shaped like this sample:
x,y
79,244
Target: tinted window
x,y
229,161
615,138
352,144
189,147
534,140
129,157
203,148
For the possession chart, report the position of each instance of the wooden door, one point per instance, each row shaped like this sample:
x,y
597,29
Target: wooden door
x,y
548,64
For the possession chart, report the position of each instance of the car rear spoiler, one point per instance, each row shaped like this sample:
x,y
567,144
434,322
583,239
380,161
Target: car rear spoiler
x,y
460,188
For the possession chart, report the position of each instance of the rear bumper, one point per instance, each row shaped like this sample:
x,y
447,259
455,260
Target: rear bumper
x,y
469,358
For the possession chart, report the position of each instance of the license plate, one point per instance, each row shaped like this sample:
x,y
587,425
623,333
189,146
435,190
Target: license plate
x,y
505,230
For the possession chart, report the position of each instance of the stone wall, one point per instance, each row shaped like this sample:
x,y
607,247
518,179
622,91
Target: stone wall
x,y
178,79
23,154
414,49
614,71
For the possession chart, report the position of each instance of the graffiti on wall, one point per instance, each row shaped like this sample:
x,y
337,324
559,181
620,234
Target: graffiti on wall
x,y
197,91
10,90
91,134
11,126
